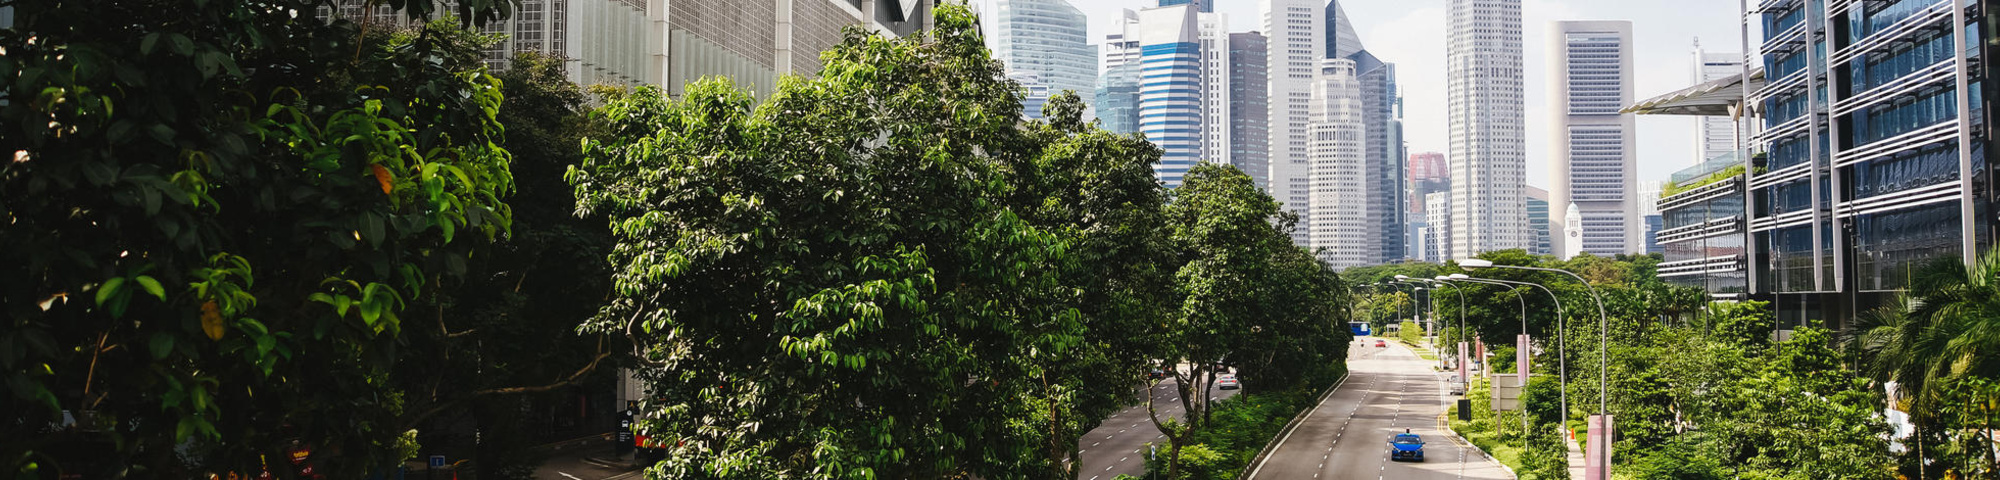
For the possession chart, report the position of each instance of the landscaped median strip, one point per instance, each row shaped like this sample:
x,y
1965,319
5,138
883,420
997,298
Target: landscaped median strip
x,y
1444,424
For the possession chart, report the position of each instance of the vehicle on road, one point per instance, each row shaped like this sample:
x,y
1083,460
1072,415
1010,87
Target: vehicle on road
x,y
1406,446
1227,382
1382,344
1157,373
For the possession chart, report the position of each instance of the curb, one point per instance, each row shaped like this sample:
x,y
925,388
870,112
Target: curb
x,y
1463,442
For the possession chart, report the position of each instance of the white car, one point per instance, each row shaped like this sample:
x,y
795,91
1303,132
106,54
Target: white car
x,y
1457,386
1227,382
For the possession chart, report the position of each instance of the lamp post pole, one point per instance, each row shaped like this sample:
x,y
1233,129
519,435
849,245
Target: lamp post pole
x,y
1562,343
1464,373
1603,358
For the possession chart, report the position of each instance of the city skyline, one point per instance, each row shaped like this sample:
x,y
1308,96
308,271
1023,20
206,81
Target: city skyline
x,y
1411,34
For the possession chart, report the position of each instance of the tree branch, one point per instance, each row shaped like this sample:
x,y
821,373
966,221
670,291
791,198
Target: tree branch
x,y
572,379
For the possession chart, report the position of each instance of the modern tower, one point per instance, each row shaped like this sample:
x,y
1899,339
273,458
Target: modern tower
x,y
1249,107
1338,208
1203,6
1118,89
1488,151
1592,146
1215,87
1049,39
1296,46
1716,134
1165,45
1538,222
1383,168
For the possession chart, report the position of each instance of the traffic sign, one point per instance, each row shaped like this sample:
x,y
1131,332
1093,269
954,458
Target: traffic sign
x,y
437,461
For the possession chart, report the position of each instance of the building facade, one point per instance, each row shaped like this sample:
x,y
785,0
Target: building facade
x,y
1249,108
1383,169
1296,29
1716,134
1216,143
1338,210
1170,93
1048,39
1488,149
1434,239
1538,222
1118,88
1592,143
1870,160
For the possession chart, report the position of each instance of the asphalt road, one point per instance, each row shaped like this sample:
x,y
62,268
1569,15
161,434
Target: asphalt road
x,y
1346,437
1118,446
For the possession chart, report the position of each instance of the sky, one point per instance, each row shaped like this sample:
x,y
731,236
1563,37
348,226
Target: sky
x,y
1411,34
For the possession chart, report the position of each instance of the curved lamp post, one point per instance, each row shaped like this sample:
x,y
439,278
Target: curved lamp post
x,y
1562,344
1464,375
1602,452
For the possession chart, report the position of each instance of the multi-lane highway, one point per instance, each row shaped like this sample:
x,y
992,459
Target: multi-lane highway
x,y
1387,391
1118,446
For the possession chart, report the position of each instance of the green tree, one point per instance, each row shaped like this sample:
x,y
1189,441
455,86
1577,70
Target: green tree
x,y
1221,226
830,284
1941,335
218,213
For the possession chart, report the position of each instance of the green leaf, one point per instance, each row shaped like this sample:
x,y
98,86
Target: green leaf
x,y
152,286
149,42
109,288
181,44
161,344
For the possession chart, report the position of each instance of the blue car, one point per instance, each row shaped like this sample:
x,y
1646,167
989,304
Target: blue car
x,y
1406,446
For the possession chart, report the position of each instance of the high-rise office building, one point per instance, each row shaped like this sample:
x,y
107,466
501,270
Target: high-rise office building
x,y
1050,40
1159,48
1296,30
674,43
1716,134
1428,173
1249,108
1338,210
1118,89
1203,6
1868,163
1488,152
1593,145
1215,88
1538,222
1382,174
1435,238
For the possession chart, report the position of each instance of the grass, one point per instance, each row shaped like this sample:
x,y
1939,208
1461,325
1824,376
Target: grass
x,y
1503,447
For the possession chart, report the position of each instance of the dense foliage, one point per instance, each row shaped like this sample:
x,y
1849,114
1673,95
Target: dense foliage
x,y
218,214
1940,346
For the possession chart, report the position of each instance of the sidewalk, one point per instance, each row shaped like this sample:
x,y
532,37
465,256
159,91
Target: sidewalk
x,y
1575,457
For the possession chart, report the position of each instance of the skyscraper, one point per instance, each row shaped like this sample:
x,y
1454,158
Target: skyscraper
x,y
1118,89
1716,134
1592,147
1488,152
1538,222
1249,108
1048,39
1382,174
1170,94
1215,77
1297,31
1203,6
1428,173
1338,210
1435,238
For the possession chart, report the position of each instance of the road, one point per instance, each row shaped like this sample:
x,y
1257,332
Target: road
x,y
1118,446
1386,391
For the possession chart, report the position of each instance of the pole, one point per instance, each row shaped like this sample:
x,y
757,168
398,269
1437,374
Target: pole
x,y
1603,357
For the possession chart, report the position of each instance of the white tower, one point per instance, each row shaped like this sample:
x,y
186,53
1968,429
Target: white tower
x,y
1338,208
1297,29
1592,147
1488,150
1717,133
1572,230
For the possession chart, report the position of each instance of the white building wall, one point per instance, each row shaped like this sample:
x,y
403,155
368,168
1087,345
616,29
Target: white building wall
x,y
1296,46
1214,87
1592,146
1488,148
1338,151
1437,235
1717,135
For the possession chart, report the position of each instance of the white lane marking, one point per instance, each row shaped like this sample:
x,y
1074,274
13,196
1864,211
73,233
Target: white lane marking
x,y
566,474
1121,460
1302,421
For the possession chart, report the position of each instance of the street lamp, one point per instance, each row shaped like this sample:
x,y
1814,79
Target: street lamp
x,y
1562,343
1464,375
1602,431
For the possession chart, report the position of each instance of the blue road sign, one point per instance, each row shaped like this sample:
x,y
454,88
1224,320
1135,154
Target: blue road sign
x,y
437,461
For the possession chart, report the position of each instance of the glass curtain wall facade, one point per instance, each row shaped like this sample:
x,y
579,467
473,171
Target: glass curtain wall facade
x,y
1483,67
1049,41
1701,229
1872,161
1249,107
1170,93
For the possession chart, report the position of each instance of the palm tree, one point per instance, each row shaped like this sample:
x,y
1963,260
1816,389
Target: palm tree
x,y
1945,328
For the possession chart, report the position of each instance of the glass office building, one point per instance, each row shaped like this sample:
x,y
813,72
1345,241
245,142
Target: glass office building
x,y
1872,158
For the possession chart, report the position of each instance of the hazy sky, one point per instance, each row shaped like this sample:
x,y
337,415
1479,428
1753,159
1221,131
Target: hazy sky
x,y
1411,34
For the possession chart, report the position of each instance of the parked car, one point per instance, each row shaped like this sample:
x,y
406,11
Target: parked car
x,y
1227,382
1457,385
1406,446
